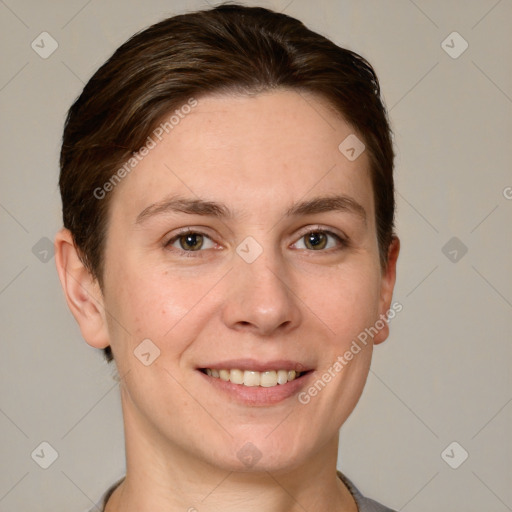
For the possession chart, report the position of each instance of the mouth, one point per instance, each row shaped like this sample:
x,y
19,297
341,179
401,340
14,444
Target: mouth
x,y
256,383
253,378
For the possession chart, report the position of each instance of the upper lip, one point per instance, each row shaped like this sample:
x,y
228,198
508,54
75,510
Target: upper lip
x,y
258,366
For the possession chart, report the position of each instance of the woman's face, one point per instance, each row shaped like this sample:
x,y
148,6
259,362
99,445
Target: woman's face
x,y
244,241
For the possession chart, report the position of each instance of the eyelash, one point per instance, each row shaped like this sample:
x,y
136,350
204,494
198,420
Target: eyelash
x,y
342,242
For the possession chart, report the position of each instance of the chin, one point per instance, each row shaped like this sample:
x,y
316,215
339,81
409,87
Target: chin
x,y
262,454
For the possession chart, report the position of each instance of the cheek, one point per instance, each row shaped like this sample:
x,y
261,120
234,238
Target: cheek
x,y
347,302
152,304
348,309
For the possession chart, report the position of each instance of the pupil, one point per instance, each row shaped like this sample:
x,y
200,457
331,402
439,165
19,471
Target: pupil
x,y
317,240
191,241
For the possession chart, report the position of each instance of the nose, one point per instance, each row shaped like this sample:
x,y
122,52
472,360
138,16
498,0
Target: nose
x,y
260,297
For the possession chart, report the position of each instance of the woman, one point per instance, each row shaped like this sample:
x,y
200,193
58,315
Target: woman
x,y
228,241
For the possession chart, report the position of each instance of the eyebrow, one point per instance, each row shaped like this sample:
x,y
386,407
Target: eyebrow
x,y
175,204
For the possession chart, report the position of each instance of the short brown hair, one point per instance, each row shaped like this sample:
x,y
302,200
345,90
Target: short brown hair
x,y
227,49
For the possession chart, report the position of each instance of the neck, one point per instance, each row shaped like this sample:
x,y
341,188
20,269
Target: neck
x,y
161,476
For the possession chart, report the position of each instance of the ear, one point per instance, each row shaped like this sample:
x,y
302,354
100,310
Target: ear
x,y
82,291
386,289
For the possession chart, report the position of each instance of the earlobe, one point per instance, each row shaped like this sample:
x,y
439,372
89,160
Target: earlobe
x,y
387,287
82,291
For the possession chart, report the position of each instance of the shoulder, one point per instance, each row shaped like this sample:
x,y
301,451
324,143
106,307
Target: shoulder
x,y
363,504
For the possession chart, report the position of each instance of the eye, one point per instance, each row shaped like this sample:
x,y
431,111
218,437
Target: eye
x,y
318,240
190,241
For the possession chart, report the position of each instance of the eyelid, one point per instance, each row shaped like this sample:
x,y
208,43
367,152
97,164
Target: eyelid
x,y
323,229
172,237
184,231
342,242
341,238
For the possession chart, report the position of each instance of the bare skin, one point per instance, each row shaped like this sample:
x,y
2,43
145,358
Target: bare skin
x,y
201,303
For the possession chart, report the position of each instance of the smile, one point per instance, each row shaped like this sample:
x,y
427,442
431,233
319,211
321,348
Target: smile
x,y
252,378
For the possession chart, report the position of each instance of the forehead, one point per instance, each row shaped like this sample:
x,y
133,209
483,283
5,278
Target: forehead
x,y
252,152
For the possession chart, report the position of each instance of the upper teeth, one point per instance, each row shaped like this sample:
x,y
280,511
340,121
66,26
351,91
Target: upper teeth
x,y
251,378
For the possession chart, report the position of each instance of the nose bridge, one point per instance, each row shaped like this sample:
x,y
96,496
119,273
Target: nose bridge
x,y
259,297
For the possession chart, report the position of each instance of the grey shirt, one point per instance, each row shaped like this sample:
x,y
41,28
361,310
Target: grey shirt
x,y
363,504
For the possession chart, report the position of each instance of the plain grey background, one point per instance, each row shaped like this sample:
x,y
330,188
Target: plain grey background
x,y
444,374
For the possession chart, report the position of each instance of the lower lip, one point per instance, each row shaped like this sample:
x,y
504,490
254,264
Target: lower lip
x,y
258,395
